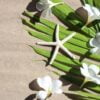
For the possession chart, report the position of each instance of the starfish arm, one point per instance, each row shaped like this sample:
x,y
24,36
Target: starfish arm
x,y
46,43
67,51
68,38
57,32
54,55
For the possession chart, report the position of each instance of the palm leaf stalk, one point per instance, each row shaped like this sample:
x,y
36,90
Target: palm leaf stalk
x,y
74,44
51,25
73,70
88,96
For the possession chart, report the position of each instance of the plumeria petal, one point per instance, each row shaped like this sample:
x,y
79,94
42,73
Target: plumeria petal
x,y
46,13
91,73
85,66
40,6
98,38
96,79
94,50
88,8
98,51
93,12
85,69
56,85
91,42
96,11
94,43
45,6
45,82
50,87
42,95
95,68
84,72
58,91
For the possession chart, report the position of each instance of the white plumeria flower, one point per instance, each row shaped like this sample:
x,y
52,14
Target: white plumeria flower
x,y
49,87
95,43
91,73
93,13
45,6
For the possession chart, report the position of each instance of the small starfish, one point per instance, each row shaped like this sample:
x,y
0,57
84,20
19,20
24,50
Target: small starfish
x,y
58,44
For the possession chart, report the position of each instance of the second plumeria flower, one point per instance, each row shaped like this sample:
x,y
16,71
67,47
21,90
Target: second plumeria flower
x,y
49,87
91,73
95,43
93,13
45,6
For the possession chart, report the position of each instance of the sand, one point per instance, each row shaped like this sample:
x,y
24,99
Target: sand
x,y
17,66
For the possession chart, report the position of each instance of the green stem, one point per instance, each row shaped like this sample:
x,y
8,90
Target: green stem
x,y
85,81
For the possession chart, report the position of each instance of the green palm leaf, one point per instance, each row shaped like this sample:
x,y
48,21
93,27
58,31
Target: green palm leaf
x,y
44,30
74,44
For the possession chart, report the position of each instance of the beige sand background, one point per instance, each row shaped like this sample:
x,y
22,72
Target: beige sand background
x,y
17,66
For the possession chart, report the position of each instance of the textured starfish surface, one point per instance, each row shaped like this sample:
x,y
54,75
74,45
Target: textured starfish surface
x,y
58,44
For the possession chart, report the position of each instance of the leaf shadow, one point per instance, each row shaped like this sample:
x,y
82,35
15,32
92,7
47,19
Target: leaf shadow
x,y
73,88
76,79
74,17
32,6
75,23
35,18
30,97
53,48
75,85
71,78
34,87
86,55
74,96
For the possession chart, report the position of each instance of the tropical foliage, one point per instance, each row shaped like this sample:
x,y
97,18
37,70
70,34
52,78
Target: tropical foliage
x,y
44,29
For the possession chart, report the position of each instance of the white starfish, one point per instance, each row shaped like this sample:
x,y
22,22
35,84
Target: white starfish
x,y
58,44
